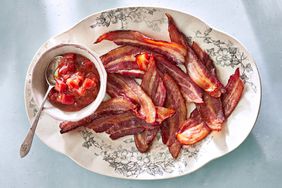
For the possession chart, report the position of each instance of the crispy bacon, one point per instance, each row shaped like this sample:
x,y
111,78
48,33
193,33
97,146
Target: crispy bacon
x,y
112,106
128,87
164,132
129,121
121,54
174,101
195,114
204,57
192,131
122,60
125,65
105,122
172,51
118,125
160,95
131,126
131,73
114,91
127,131
212,108
143,60
175,149
212,112
175,34
163,113
190,91
202,77
153,85
196,69
102,124
144,140
234,90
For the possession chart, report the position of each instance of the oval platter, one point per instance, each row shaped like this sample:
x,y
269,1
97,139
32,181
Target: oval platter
x,y
120,158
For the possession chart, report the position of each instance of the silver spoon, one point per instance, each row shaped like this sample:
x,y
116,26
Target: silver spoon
x,y
49,77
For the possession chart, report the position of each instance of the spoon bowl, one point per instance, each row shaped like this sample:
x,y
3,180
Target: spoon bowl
x,y
50,70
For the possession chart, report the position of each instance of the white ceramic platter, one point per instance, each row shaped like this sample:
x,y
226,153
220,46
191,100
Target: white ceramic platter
x,y
98,153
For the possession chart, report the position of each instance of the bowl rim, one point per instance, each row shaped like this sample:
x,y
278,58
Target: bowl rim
x,y
86,111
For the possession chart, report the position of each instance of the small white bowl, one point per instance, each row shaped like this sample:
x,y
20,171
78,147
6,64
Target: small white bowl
x,y
39,85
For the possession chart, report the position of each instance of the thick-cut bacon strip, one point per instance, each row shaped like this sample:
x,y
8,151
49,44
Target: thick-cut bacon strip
x,y
143,60
144,140
175,149
127,131
208,63
121,54
114,91
112,106
118,125
174,101
212,108
133,91
198,74
129,123
163,113
212,112
175,34
131,73
123,65
204,57
192,131
195,114
122,60
104,123
196,69
153,85
151,77
234,90
101,125
190,91
164,132
160,95
172,51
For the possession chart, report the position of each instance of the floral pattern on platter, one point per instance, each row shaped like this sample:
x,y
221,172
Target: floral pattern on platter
x,y
128,161
126,15
224,53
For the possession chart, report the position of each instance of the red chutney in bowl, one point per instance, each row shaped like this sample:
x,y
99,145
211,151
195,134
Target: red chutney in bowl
x,y
77,83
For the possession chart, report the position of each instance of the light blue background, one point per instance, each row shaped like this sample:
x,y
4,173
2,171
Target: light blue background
x,y
25,25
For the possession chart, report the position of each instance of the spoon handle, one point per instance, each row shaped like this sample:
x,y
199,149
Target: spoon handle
x,y
26,145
